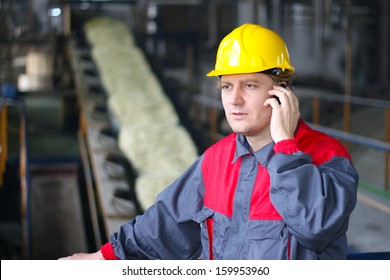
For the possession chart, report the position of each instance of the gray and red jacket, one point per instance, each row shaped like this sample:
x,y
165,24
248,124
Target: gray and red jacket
x,y
289,200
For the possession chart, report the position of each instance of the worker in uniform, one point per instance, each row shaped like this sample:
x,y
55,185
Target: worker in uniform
x,y
273,189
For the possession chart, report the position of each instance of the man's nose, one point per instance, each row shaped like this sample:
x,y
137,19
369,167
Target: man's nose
x,y
236,96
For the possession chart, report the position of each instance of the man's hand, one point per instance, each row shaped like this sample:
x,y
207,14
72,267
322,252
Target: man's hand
x,y
285,115
84,256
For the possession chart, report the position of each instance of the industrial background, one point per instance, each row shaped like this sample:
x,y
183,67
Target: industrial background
x,y
90,88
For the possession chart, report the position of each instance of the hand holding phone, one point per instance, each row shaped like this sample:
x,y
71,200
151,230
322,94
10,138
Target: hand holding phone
x,y
285,117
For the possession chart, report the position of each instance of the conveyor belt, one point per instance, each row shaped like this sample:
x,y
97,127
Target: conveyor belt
x,y
126,119
107,171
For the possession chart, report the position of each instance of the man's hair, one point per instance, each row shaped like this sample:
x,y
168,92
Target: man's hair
x,y
283,77
279,76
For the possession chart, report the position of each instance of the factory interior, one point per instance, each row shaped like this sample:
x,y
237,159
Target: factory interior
x,y
104,103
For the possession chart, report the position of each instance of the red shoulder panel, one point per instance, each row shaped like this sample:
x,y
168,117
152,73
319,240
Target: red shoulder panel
x,y
220,175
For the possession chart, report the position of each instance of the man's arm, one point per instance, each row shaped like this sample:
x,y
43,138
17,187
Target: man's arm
x,y
166,230
314,201
84,256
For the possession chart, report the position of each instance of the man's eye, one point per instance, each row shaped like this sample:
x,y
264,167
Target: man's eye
x,y
226,87
250,86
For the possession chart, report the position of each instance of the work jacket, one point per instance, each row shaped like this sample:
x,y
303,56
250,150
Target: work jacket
x,y
289,200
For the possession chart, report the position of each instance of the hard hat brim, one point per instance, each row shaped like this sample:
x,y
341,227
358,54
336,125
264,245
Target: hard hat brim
x,y
240,70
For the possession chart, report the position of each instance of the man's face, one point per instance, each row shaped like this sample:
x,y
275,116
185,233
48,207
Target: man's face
x,y
243,98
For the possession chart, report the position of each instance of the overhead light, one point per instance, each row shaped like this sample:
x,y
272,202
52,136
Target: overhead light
x,y
55,12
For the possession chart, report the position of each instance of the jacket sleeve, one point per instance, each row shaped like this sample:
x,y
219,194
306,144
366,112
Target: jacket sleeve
x,y
166,230
315,201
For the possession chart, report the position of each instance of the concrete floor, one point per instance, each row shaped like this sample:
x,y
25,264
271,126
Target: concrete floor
x,y
369,229
57,222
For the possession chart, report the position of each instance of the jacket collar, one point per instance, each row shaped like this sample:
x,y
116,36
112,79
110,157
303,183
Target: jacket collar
x,y
263,156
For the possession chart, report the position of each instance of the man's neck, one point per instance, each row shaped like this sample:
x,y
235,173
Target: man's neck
x,y
257,142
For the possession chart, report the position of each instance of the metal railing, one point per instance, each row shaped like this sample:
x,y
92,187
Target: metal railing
x,y
3,140
345,134
24,174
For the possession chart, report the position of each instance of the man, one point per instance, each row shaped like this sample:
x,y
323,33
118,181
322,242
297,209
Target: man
x,y
273,189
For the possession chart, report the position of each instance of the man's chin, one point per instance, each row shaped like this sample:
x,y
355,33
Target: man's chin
x,y
241,131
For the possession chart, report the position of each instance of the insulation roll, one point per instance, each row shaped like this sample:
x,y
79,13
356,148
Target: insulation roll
x,y
149,132
163,148
107,31
149,185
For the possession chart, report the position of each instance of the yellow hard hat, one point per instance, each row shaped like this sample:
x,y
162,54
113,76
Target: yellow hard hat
x,y
251,48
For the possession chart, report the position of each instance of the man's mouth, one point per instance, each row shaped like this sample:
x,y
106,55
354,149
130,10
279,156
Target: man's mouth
x,y
238,115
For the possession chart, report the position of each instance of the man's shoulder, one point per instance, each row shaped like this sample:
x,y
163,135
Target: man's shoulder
x,y
319,144
308,134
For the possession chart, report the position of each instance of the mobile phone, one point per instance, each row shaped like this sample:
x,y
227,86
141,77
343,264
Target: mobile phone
x,y
277,98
